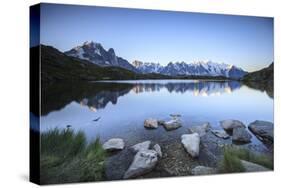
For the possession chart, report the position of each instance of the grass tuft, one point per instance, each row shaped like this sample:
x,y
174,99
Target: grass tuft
x,y
230,162
232,156
66,157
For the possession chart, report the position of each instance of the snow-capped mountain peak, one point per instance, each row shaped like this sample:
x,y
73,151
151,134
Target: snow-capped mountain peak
x,y
199,68
95,53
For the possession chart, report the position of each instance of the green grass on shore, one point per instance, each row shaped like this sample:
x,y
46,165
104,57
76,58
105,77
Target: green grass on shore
x,y
66,157
232,156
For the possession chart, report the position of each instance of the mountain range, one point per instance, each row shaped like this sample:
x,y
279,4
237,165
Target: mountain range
x,y
95,53
199,68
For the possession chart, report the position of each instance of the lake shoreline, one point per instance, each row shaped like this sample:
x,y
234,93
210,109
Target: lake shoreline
x,y
177,162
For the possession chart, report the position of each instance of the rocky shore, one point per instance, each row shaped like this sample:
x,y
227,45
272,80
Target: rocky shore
x,y
197,152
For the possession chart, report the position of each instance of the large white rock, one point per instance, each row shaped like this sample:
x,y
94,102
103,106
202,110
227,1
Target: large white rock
x,y
157,148
230,124
141,146
144,161
151,123
114,144
191,143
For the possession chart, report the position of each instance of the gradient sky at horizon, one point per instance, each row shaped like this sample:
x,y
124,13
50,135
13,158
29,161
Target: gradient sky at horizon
x,y
161,36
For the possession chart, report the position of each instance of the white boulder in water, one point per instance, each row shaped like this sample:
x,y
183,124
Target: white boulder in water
x,y
191,143
114,144
144,161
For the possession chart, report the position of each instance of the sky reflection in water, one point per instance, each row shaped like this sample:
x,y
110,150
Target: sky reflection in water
x,y
124,105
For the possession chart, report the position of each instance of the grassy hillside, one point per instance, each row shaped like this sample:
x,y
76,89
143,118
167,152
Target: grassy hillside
x,y
262,80
263,75
57,66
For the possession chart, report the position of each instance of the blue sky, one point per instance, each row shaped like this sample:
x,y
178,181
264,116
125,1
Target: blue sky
x,y
161,36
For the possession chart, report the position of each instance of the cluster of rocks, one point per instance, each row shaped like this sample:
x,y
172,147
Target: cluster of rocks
x,y
145,158
169,125
237,129
263,130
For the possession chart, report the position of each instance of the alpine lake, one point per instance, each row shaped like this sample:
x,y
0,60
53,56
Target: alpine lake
x,y
118,109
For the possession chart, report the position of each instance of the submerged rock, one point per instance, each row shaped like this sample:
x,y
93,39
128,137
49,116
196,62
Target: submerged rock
x,y
144,161
201,129
191,143
175,116
172,124
229,125
203,170
252,167
141,146
114,144
220,134
157,148
161,122
151,123
263,130
241,135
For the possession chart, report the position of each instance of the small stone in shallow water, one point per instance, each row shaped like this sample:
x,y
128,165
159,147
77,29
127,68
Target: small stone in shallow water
x,y
157,148
200,129
175,115
172,124
151,123
220,134
114,144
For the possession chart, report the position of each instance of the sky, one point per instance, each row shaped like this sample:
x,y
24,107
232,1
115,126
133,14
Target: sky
x,y
161,36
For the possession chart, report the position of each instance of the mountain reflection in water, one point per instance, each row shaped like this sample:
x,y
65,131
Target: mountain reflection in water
x,y
96,95
117,109
199,88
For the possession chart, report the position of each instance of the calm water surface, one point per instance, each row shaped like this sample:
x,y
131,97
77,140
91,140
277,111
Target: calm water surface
x,y
122,106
